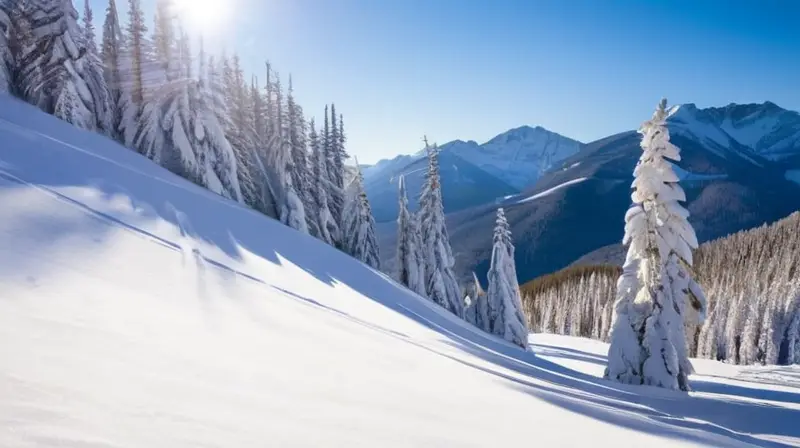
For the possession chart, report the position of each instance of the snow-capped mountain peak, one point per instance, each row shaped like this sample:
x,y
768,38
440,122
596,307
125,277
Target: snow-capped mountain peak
x,y
765,129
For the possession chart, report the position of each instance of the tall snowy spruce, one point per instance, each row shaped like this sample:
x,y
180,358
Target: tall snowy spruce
x,y
111,57
329,229
90,65
290,205
334,176
6,58
53,72
179,130
358,237
505,302
440,281
648,339
299,155
410,263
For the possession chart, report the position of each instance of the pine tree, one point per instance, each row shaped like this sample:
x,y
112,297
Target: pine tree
x,y
185,55
164,39
329,230
299,154
505,302
648,341
88,28
53,72
290,205
6,57
90,65
111,57
440,282
410,265
334,176
180,132
359,232
136,45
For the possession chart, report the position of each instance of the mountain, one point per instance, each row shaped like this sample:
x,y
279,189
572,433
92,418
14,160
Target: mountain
x,y
463,184
520,156
578,207
472,174
140,310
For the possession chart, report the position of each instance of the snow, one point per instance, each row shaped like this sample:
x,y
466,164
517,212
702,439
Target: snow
x,y
138,309
751,134
550,191
793,175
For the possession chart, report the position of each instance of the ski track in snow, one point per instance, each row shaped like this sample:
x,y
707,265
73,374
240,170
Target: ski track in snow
x,y
132,329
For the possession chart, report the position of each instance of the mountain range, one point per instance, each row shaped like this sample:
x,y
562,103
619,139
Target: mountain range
x,y
472,173
740,168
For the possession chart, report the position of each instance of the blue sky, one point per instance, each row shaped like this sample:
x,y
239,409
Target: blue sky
x,y
470,69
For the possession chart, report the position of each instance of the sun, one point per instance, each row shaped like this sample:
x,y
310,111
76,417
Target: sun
x,y
203,16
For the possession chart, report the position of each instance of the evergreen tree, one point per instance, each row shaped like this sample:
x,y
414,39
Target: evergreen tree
x,y
328,228
504,301
299,154
648,340
6,57
111,57
440,282
290,206
359,232
180,132
53,71
164,39
334,176
90,65
410,265
137,46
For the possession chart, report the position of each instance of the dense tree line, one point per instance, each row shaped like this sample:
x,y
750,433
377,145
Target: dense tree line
x,y
193,113
752,285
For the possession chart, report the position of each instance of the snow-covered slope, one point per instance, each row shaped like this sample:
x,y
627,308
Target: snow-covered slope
x,y
764,130
139,310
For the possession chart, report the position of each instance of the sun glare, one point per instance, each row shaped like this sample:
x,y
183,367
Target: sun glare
x,y
203,16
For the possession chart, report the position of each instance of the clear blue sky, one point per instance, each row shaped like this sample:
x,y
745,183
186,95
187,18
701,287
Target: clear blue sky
x,y
470,69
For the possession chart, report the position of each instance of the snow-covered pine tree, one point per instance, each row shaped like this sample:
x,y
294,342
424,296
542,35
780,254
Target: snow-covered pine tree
x,y
165,40
90,66
328,228
410,266
299,154
15,19
6,58
505,302
359,232
648,341
52,74
112,51
230,98
336,194
440,281
180,132
133,61
185,60
88,28
136,46
279,172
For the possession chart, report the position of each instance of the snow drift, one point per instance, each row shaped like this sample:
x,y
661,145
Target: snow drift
x,y
137,309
